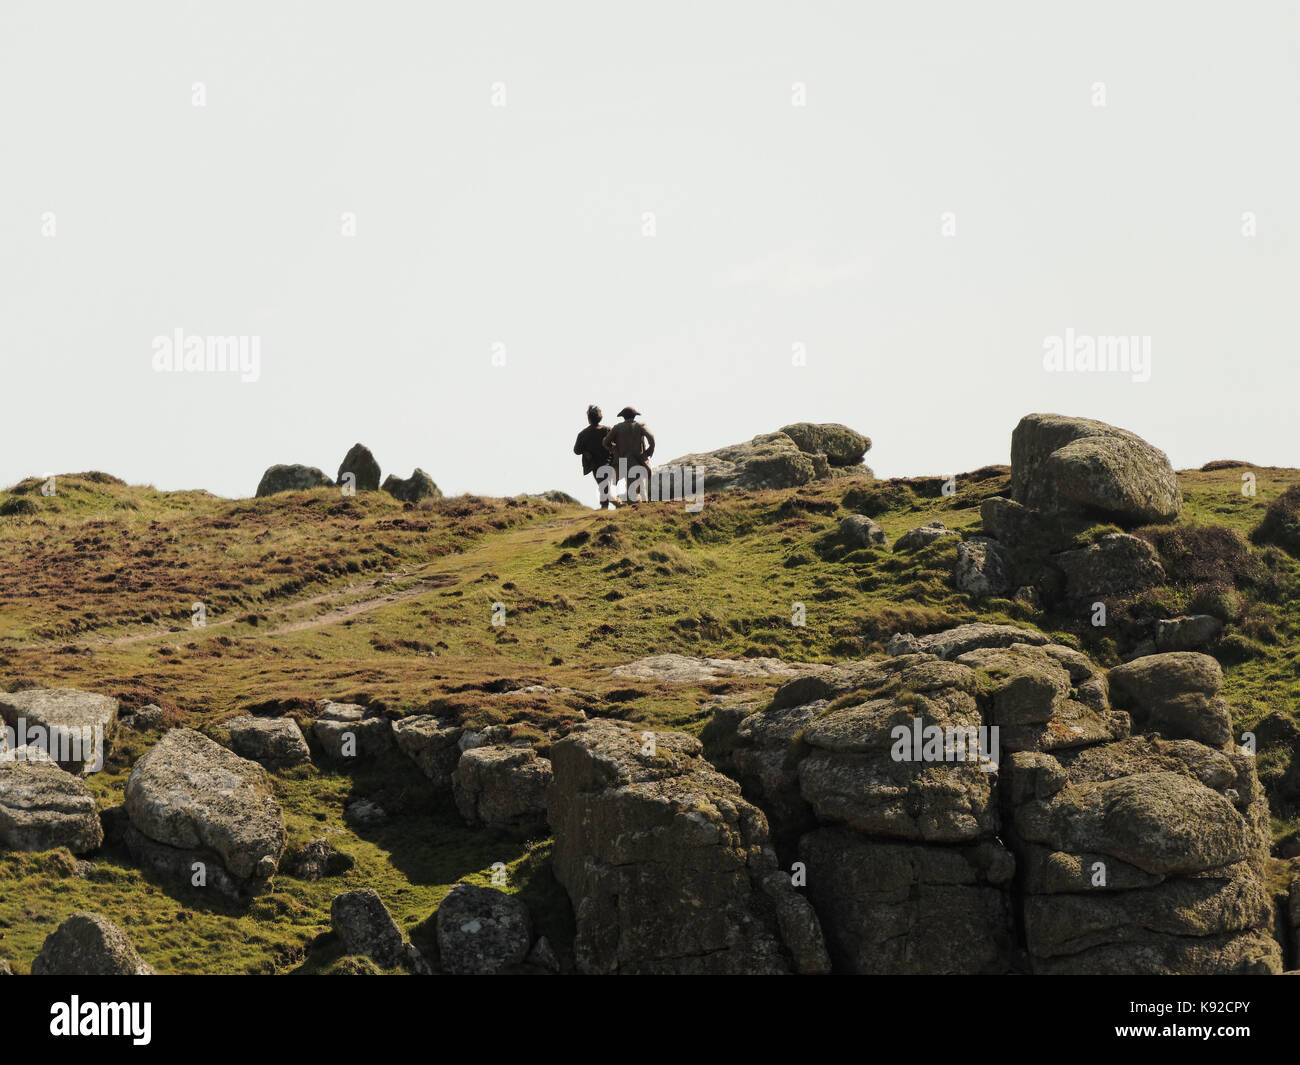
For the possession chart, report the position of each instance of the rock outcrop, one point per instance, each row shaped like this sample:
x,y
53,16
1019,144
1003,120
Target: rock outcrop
x,y
991,811
1060,463
794,455
414,488
88,944
361,464
290,478
191,800
668,868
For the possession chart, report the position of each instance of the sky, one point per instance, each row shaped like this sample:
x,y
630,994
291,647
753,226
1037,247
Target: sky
x,y
450,227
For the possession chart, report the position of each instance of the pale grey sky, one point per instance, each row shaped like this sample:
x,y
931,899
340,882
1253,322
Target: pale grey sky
x,y
522,225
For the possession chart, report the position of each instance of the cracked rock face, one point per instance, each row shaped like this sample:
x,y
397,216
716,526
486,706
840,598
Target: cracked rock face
x,y
668,868
1131,853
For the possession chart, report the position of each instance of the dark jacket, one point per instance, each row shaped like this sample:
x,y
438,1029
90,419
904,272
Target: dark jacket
x,y
591,446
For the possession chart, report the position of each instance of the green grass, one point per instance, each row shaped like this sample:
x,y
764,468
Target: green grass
x,y
96,587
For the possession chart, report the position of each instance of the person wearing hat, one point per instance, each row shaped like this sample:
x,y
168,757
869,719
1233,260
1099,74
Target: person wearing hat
x,y
631,446
595,455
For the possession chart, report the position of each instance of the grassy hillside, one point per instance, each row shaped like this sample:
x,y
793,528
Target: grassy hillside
x,y
309,595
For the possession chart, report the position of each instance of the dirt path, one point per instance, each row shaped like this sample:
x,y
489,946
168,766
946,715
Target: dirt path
x,y
352,599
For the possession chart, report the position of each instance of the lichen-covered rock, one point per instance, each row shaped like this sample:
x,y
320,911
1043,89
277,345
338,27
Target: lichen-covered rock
x,y
924,536
290,478
841,445
275,742
502,787
982,569
1033,699
1117,564
1187,633
348,732
43,807
190,793
87,944
684,669
413,489
1174,694
432,743
666,865
361,464
957,641
857,530
1060,463
72,726
365,927
482,931
898,908
1160,822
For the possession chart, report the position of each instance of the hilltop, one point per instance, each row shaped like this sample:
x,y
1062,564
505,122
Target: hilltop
x,y
517,613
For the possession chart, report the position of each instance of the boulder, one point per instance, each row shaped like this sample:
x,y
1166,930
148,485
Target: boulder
x,y
502,787
772,460
840,444
365,927
482,931
982,570
291,478
316,860
1188,632
275,742
43,807
199,867
365,813
1031,697
348,731
73,727
413,489
924,536
1175,694
87,944
683,669
1117,564
1060,464
669,870
432,743
362,465
857,530
188,792
1160,822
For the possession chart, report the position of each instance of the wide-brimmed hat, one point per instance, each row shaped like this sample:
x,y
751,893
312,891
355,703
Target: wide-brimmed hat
x,y
629,412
